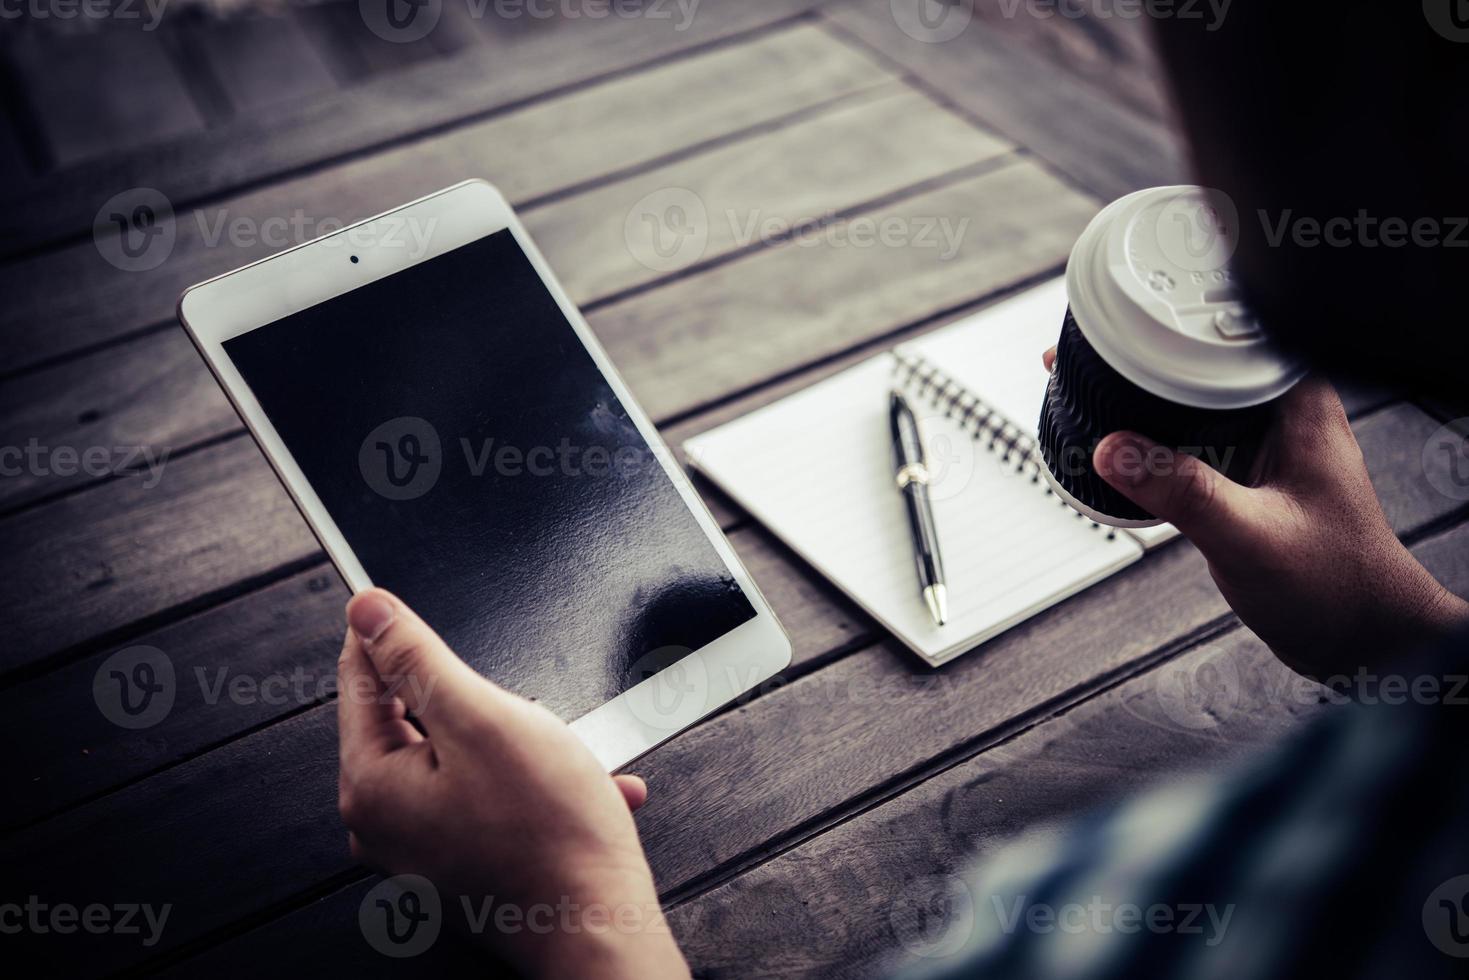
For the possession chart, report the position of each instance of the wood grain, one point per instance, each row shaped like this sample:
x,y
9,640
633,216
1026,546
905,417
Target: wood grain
x,y
260,61
844,902
867,291
101,93
737,197
847,901
809,753
551,56
775,311
246,663
597,132
1098,144
1100,46
117,555
352,51
153,392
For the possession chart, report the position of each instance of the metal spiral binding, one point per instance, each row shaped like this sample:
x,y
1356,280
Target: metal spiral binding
x,y
987,425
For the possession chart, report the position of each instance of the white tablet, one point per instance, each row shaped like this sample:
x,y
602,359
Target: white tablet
x,y
451,430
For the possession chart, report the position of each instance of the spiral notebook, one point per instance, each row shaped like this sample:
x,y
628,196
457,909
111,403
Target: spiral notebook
x,y
816,469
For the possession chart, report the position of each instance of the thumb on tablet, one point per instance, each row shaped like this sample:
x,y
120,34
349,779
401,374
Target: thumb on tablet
x,y
415,664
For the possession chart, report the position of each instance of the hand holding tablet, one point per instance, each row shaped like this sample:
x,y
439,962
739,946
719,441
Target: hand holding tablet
x,y
494,805
451,430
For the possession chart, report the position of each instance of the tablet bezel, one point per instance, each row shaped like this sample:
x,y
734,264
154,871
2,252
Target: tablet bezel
x,y
307,275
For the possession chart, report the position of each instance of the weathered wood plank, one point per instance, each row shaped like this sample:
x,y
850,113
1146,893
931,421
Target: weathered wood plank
x,y
122,552
1358,400
1099,46
191,509
323,938
846,891
740,196
245,663
261,61
277,646
552,55
786,307
1098,144
294,626
596,132
101,93
1033,233
354,52
151,393
848,901
154,392
806,752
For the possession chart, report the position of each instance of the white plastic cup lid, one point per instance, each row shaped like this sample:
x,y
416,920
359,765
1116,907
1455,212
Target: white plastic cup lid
x,y
1151,290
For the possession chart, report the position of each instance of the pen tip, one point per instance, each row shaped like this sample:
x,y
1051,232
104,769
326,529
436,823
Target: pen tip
x,y
936,597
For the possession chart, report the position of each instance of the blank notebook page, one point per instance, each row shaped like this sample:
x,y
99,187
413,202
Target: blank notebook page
x,y
816,468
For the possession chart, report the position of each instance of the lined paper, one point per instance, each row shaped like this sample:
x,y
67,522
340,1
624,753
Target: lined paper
x,y
816,468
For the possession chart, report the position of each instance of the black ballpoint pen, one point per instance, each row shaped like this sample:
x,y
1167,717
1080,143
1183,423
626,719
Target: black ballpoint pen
x,y
912,478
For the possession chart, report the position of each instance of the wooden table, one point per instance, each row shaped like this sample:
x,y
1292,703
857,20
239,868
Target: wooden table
x,y
807,830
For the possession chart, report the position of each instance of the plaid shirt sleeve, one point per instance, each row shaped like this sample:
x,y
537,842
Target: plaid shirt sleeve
x,y
1342,853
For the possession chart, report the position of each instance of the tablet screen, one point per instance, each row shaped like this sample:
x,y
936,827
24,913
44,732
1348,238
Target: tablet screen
x,y
481,468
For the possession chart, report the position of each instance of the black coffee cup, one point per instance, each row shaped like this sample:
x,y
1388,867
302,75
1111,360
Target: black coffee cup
x,y
1156,341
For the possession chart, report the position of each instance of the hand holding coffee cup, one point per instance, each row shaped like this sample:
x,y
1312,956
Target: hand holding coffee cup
x,y
1271,485
1157,340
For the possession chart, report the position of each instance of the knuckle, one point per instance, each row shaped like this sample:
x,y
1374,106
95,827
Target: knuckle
x,y
398,656
349,806
354,801
1191,495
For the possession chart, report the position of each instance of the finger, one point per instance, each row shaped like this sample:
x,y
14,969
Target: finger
x,y
1312,426
1200,501
634,790
415,664
1048,358
370,721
